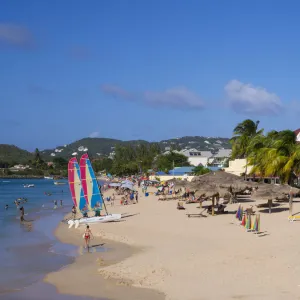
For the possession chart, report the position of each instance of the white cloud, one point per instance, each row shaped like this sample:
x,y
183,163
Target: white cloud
x,y
179,97
176,97
15,35
94,134
249,99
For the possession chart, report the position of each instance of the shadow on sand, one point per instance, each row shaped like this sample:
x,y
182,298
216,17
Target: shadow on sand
x,y
274,210
127,215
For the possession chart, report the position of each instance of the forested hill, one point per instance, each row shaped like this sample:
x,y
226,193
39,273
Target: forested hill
x,y
12,154
103,147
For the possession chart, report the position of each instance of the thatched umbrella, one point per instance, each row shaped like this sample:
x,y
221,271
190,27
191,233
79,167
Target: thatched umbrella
x,y
228,182
270,192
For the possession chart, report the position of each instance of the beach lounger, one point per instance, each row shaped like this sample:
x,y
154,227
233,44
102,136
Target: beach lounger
x,y
198,215
219,210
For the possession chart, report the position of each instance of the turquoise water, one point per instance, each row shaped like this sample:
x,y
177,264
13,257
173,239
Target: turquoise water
x,y
29,252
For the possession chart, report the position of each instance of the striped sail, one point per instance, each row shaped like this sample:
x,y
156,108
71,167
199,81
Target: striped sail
x,y
75,184
89,183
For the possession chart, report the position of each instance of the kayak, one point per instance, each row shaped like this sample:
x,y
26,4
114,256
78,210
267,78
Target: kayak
x,y
102,219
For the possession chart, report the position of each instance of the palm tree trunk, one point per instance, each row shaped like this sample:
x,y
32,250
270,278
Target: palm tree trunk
x,y
246,169
291,204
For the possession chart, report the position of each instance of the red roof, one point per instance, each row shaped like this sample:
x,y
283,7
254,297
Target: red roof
x,y
297,131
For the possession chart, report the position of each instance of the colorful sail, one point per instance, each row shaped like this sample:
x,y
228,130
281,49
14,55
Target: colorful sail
x,y
90,184
75,184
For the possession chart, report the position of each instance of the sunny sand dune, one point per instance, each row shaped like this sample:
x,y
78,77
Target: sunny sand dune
x,y
204,258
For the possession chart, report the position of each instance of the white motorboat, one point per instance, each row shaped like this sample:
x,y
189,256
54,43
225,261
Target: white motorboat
x,y
28,185
59,183
102,219
48,177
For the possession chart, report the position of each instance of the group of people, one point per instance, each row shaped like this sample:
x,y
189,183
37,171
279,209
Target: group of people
x,y
130,197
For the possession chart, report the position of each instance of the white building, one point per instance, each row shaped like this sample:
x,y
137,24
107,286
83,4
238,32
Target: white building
x,y
238,167
196,157
220,158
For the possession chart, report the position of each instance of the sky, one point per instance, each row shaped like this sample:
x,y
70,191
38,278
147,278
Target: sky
x,y
145,69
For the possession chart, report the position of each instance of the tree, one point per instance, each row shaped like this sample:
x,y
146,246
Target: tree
x,y
200,170
243,133
166,162
60,163
276,154
102,164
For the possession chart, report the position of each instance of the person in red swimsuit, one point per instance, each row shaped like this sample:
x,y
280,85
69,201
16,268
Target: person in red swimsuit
x,y
87,236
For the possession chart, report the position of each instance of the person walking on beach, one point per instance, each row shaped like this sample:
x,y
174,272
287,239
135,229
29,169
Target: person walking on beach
x,y
87,236
113,198
137,197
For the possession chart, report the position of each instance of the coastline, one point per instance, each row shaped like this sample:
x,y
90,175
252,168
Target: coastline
x,y
84,278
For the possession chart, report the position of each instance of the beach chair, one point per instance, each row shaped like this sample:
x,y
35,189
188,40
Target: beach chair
x,y
218,210
198,215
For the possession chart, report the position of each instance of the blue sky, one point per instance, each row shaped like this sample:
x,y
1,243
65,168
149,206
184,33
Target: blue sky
x,y
145,69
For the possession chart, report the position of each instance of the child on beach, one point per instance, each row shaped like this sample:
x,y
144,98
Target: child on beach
x,y
73,212
87,236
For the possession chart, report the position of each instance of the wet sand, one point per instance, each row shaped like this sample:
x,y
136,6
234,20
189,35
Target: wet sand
x,y
82,278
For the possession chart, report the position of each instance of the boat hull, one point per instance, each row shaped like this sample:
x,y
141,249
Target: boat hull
x,y
102,219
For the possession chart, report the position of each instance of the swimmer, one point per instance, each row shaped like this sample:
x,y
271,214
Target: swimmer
x,y
6,206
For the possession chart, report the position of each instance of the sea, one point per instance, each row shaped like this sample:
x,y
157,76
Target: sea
x,y
29,250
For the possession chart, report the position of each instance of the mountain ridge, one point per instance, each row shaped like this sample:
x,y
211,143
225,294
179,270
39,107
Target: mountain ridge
x,y
98,147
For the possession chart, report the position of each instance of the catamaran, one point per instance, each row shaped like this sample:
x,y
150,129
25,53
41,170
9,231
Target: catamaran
x,y
85,192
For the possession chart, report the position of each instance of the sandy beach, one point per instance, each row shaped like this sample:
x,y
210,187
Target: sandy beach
x,y
162,253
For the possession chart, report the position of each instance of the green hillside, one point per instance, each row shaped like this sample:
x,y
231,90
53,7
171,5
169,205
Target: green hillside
x,y
103,147
12,154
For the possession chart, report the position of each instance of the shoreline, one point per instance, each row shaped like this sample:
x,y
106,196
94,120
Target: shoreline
x,y
84,278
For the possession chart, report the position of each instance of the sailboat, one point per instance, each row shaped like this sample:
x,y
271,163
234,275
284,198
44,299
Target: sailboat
x,y
90,192
75,184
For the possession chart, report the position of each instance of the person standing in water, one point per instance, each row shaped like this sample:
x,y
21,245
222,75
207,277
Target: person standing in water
x,y
55,204
87,236
22,214
61,203
6,207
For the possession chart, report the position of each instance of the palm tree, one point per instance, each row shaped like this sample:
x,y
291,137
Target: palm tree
x,y
276,154
243,134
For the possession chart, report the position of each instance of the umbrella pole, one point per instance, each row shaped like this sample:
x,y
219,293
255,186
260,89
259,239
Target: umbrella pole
x,y
291,204
270,205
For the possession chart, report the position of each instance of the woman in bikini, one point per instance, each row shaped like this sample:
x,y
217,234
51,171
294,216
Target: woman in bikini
x,y
87,236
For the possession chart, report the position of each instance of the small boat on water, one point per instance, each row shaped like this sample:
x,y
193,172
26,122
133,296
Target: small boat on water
x,y
48,177
28,185
59,183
